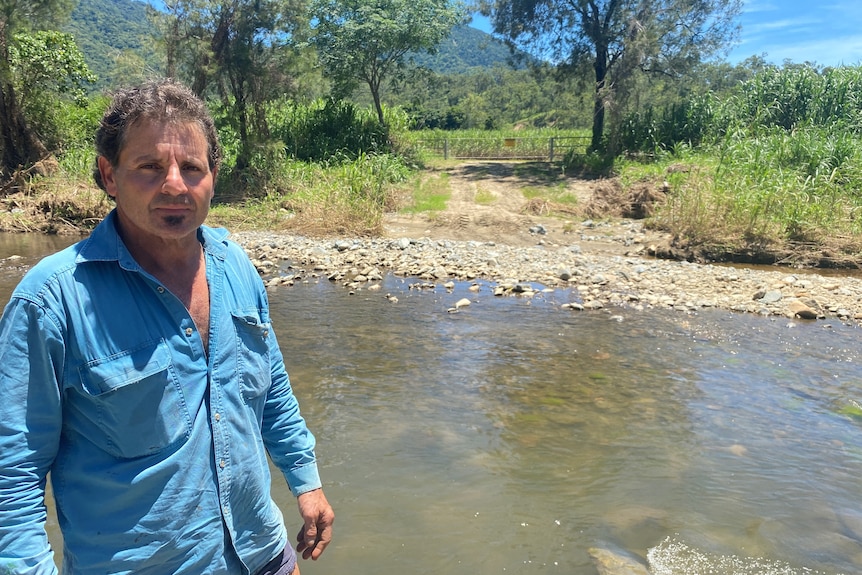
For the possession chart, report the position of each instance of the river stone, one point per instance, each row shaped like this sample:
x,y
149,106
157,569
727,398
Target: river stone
x,y
609,562
800,310
772,296
538,229
613,280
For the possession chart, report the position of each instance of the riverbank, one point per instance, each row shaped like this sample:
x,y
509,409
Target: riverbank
x,y
614,270
504,246
502,231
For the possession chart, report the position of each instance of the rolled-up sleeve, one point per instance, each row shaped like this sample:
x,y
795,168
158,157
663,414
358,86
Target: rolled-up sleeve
x,y
31,359
288,440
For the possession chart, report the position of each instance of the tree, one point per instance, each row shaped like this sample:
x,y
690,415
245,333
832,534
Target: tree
x,y
369,40
238,50
617,37
48,69
20,146
46,61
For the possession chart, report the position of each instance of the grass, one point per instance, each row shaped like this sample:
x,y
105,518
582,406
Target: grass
x,y
764,192
429,194
775,162
484,197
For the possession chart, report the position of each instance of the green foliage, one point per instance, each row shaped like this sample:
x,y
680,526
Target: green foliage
x,y
346,198
364,42
669,36
590,163
492,99
796,95
788,98
22,15
49,61
687,121
775,186
326,130
49,73
239,52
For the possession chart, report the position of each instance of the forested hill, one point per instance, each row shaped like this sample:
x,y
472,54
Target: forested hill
x,y
465,49
106,29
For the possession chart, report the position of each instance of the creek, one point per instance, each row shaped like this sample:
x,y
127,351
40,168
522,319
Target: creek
x,y
513,436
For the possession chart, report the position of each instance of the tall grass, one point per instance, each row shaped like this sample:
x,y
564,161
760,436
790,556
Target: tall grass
x,y
778,160
493,144
323,198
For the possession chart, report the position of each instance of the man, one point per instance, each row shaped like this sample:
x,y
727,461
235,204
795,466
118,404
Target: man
x,y
139,367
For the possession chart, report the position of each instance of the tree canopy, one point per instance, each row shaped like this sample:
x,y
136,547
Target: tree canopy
x,y
19,145
617,37
237,50
368,41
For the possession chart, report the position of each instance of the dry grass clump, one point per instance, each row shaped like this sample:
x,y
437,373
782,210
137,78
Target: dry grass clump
x,y
53,205
610,199
546,207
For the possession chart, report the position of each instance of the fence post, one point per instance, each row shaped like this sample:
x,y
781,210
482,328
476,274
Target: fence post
x,y
446,148
551,152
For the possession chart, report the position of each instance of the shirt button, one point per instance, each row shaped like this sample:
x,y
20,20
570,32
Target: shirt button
x,y
160,289
266,333
222,464
189,331
218,416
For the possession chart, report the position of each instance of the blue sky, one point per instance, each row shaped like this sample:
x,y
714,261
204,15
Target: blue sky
x,y
828,33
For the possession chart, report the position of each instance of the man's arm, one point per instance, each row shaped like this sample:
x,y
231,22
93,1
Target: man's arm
x,y
291,447
288,440
30,422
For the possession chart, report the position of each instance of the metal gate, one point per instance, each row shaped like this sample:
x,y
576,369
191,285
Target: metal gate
x,y
504,148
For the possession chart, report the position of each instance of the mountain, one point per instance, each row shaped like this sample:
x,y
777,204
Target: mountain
x,y
466,49
105,29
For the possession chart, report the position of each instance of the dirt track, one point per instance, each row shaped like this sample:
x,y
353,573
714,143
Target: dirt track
x,y
504,215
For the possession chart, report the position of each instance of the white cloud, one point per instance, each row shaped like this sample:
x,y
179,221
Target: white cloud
x,y
801,30
834,51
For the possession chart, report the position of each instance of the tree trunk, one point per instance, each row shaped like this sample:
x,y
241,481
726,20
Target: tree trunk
x,y
375,94
601,68
19,146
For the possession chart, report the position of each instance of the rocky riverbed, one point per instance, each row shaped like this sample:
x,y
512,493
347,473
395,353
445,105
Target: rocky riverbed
x,y
627,276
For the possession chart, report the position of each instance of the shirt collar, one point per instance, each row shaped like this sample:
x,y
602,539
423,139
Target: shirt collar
x,y
104,244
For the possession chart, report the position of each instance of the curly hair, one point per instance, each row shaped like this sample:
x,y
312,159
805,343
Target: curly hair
x,y
164,100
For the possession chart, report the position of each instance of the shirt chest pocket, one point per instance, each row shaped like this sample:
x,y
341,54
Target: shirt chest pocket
x,y
133,403
253,361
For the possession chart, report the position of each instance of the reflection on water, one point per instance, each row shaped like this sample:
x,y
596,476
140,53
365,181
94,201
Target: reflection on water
x,y
513,436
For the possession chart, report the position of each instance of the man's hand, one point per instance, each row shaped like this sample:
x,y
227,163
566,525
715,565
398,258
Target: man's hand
x,y
318,516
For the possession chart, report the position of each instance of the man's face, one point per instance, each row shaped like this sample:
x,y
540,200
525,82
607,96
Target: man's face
x,y
162,182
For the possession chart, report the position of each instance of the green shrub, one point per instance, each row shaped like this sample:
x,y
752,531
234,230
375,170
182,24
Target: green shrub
x,y
326,129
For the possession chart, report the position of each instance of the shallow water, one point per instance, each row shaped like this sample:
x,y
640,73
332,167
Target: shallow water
x,y
514,436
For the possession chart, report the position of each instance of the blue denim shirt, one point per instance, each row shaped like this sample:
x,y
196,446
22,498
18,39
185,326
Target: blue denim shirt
x,y
157,451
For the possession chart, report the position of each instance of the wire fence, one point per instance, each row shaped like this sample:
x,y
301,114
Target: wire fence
x,y
504,148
